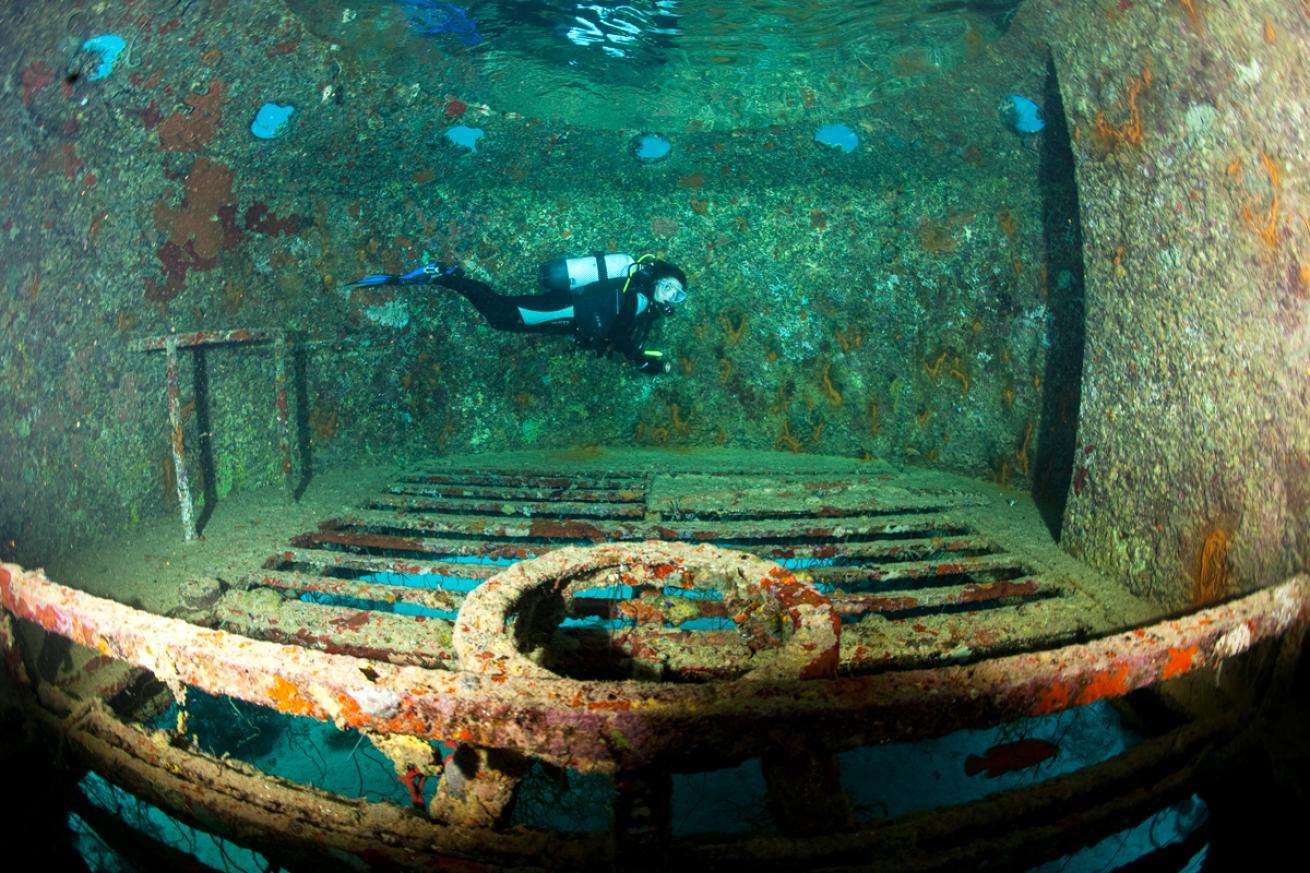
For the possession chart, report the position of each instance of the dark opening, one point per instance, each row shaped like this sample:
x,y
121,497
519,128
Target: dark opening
x,y
1062,381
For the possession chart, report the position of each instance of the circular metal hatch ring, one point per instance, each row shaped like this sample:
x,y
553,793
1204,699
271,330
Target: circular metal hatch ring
x,y
790,627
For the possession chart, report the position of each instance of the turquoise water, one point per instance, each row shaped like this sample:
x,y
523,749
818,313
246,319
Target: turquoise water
x,y
871,205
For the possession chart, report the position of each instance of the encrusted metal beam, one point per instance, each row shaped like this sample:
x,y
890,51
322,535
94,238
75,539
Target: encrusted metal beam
x,y
203,338
176,443
608,725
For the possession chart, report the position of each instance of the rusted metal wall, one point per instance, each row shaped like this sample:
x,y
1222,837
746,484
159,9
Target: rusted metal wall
x,y
1189,130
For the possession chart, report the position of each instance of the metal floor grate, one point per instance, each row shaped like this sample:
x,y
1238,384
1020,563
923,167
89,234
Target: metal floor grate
x,y
914,571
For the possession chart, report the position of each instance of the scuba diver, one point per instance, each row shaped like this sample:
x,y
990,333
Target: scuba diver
x,y
608,302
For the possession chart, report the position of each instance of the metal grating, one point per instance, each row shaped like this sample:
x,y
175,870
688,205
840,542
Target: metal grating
x,y
915,577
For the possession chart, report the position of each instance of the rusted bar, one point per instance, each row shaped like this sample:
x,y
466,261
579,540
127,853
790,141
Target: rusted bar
x,y
179,453
321,561
201,338
477,787
643,820
429,598
805,792
933,598
603,725
430,546
542,494
946,568
502,506
283,415
505,479
361,633
882,536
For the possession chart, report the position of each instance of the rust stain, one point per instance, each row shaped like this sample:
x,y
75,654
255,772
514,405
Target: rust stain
x,y
1052,697
1180,661
287,698
1105,683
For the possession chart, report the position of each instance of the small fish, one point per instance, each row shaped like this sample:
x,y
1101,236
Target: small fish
x,y
1008,757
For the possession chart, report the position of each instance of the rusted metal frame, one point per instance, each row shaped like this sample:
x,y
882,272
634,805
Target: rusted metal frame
x,y
705,513
140,850
854,577
791,537
1029,588
575,722
492,479
874,643
170,345
13,656
180,475
322,561
294,822
499,544
361,633
429,598
203,338
1013,830
368,542
283,416
484,492
103,677
499,506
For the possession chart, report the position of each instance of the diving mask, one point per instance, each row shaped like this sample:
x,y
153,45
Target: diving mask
x,y
669,290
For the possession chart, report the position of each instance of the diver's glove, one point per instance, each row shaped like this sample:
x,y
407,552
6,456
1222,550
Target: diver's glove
x,y
653,363
427,274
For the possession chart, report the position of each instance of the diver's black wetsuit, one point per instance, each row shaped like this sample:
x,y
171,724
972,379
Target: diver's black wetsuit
x,y
601,315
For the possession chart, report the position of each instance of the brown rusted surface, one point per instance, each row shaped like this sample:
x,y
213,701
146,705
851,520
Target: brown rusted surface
x,y
507,506
845,537
789,627
608,725
361,633
296,823
176,444
281,404
388,543
929,598
480,476
557,492
429,598
321,561
204,338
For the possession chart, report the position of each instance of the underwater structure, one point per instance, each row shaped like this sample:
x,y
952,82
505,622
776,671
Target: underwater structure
x,y
986,412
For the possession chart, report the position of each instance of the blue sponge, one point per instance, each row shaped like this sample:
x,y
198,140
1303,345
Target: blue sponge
x,y
271,120
1022,114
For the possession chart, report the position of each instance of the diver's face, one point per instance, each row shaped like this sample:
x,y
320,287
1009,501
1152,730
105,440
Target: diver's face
x,y
669,291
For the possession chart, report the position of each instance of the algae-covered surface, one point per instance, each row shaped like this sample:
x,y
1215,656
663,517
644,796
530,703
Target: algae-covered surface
x,y
712,488
885,212
892,301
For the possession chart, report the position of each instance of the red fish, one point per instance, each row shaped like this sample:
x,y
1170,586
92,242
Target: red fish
x,y
1009,757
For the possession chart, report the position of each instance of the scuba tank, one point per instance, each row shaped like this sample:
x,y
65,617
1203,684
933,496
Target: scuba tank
x,y
561,274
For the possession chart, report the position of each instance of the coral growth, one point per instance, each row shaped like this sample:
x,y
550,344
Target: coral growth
x,y
1266,227
260,219
197,229
187,132
1130,132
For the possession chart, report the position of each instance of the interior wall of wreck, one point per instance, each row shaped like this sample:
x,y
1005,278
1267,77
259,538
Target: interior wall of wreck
x,y
888,303
1189,129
